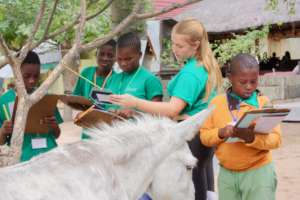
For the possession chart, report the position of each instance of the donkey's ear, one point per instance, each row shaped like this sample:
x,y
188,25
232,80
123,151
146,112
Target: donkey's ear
x,y
189,127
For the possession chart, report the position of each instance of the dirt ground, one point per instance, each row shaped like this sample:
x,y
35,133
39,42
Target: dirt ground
x,y
287,162
287,158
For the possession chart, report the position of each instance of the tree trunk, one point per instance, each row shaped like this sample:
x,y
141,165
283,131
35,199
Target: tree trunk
x,y
69,80
14,153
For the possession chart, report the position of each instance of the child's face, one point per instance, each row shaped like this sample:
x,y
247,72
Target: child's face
x,y
181,48
128,58
106,57
31,75
244,81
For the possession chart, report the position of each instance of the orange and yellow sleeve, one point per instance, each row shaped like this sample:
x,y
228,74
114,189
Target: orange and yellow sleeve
x,y
267,141
209,134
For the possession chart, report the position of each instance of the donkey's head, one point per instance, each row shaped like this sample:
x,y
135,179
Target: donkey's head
x,y
173,178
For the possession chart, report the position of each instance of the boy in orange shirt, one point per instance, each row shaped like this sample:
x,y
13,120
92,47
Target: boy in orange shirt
x,y
246,168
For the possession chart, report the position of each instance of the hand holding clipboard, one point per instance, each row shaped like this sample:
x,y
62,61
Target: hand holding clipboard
x,y
262,121
253,122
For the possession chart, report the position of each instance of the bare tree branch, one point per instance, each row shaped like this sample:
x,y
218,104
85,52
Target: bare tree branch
x,y
50,19
72,24
130,19
3,59
36,26
100,41
166,9
80,28
7,55
72,58
14,63
100,11
136,7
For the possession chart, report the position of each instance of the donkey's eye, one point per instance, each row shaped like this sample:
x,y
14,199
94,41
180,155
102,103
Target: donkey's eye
x,y
189,167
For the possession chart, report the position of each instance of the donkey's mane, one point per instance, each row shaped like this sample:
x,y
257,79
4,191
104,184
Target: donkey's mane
x,y
146,125
123,139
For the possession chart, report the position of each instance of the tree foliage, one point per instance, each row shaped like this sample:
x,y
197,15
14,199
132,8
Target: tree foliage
x,y
17,19
274,5
246,43
224,49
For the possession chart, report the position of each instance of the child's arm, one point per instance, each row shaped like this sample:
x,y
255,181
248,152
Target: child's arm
x,y
5,130
212,136
52,123
267,142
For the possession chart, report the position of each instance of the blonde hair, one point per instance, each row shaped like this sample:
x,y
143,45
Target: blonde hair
x,y
196,32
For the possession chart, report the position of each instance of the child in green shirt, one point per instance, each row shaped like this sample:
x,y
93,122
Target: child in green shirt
x,y
30,69
100,75
135,80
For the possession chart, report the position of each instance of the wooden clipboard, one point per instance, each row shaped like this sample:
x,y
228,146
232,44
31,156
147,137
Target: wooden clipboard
x,y
265,119
93,115
76,102
43,108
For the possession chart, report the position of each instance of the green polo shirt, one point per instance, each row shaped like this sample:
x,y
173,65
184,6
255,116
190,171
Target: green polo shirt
x,y
83,88
252,100
189,85
7,100
140,83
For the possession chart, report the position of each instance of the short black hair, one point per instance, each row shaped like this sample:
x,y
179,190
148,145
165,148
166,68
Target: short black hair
x,y
242,61
32,58
110,42
129,39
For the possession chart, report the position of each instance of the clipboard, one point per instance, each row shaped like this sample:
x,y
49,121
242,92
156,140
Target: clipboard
x,y
76,102
100,96
43,108
265,119
94,115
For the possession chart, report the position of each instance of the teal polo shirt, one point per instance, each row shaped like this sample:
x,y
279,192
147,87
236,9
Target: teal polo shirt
x,y
189,85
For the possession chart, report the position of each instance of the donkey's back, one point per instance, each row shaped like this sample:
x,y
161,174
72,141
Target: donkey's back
x,y
76,171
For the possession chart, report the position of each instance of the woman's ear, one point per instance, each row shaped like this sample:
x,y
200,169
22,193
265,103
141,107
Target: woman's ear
x,y
196,45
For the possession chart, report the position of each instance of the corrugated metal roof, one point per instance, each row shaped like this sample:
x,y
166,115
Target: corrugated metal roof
x,y
230,15
160,4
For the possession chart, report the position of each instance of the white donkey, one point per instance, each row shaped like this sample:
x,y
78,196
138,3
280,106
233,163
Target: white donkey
x,y
117,166
172,179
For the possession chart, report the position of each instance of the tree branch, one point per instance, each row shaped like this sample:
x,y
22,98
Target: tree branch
x,y
100,11
72,24
166,9
3,59
14,63
136,7
100,41
50,19
72,58
6,52
80,28
133,16
36,26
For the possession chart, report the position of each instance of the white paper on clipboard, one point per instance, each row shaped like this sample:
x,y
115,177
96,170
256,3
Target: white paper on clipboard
x,y
265,121
265,124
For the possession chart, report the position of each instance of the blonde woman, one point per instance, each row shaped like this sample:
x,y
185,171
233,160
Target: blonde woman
x,y
190,92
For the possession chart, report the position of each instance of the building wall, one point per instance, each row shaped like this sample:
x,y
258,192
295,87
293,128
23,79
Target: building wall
x,y
286,44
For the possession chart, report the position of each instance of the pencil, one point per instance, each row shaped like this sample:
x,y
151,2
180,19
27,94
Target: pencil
x,y
5,112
